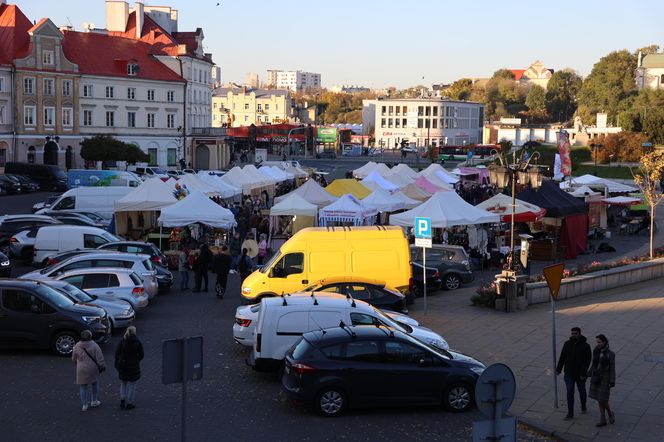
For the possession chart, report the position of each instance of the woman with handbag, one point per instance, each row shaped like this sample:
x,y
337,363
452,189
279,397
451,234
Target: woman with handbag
x,y
128,356
89,361
602,374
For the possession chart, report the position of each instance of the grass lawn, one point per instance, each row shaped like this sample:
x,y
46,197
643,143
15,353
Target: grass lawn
x,y
603,171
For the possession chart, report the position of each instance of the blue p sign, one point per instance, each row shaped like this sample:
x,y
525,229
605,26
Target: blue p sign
x,y
422,227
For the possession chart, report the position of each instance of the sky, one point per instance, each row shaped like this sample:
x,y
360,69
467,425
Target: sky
x,y
381,43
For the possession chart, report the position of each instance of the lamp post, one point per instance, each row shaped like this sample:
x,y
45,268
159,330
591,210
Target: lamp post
x,y
596,149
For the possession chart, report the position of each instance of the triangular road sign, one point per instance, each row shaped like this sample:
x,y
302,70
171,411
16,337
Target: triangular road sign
x,y
553,275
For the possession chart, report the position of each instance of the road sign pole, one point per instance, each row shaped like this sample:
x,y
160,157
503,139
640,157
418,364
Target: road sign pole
x,y
554,275
183,436
424,276
553,341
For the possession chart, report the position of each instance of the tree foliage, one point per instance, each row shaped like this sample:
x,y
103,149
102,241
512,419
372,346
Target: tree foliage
x,y
536,99
647,177
107,148
460,90
561,94
622,146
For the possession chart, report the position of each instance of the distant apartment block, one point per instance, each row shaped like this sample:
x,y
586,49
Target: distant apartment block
x,y
236,107
295,81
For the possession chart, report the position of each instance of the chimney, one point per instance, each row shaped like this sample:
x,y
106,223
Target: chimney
x,y
244,88
140,16
117,13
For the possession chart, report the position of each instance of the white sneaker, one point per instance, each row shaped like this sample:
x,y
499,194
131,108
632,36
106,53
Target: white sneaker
x,y
95,403
84,408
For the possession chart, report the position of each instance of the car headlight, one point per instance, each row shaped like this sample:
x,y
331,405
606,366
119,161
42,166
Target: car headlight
x,y
477,370
4,263
246,290
91,319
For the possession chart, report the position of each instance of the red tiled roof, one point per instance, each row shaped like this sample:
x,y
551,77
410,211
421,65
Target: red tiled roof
x,y
14,26
38,24
106,55
518,73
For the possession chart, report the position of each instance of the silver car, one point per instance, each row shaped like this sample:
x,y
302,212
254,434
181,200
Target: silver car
x,y
22,244
120,313
138,263
109,283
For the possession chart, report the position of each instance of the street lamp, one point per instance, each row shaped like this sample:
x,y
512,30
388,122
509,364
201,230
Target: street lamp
x,y
596,148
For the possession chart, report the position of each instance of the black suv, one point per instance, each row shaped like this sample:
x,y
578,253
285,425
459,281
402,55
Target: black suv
x,y
452,263
366,366
35,315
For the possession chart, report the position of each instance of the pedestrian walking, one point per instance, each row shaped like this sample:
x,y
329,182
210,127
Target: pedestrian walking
x,y
602,376
183,268
262,249
575,360
236,245
128,357
201,266
221,265
244,265
89,361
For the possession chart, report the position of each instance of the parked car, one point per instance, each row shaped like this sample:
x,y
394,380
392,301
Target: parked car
x,y
52,240
22,244
451,261
46,204
371,291
5,266
109,283
48,177
11,186
37,315
337,368
146,248
246,317
174,173
120,313
76,219
279,325
140,264
91,199
27,185
433,279
12,224
147,172
327,154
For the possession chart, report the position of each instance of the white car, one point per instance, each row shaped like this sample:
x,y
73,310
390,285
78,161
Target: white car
x,y
247,315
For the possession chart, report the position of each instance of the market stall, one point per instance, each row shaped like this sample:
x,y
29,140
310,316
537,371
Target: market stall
x,y
403,170
501,204
225,190
611,186
382,169
400,181
426,185
382,201
375,181
440,173
238,178
136,212
348,186
197,208
311,192
196,184
365,170
287,217
415,192
408,203
346,211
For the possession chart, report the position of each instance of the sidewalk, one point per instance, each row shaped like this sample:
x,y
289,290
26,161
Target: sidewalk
x,y
630,317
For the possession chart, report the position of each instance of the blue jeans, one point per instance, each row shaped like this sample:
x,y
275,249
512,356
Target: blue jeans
x,y
184,279
581,386
128,391
84,392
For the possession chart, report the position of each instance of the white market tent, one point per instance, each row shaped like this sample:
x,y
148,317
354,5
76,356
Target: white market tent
x,y
346,210
259,177
170,182
501,204
197,208
408,203
293,170
593,181
237,178
445,209
375,179
277,174
195,184
365,170
439,180
382,169
622,201
294,205
583,191
399,180
150,195
403,170
313,193
382,201
225,189
281,173
440,173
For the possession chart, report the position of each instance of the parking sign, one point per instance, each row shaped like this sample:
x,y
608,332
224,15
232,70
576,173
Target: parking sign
x,y
423,228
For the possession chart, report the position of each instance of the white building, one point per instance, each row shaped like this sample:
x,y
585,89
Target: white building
x,y
216,76
650,71
427,121
296,81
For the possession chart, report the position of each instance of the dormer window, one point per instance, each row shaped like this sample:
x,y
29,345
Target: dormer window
x,y
132,69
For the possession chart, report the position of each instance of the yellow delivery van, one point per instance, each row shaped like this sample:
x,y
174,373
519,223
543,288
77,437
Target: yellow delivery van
x,y
315,253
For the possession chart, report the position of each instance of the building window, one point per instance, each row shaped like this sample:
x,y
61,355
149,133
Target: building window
x,y
420,123
29,85
246,106
110,91
427,111
420,111
404,122
150,94
170,121
267,107
171,157
47,57
383,110
397,110
267,118
434,123
397,121
29,115
2,84
276,107
152,154
132,69
260,108
131,119
151,118
87,90
131,93
170,96
66,88
2,115
67,113
48,86
389,122
87,118
110,118
382,122
246,118
49,116
435,111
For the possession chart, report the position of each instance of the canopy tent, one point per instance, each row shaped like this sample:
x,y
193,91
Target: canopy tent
x,y
375,179
622,201
415,192
150,195
408,203
400,180
557,202
278,174
382,201
481,172
311,192
259,177
170,182
225,190
583,191
270,173
195,184
440,172
445,209
440,180
293,170
403,170
426,185
294,205
197,208
593,181
365,170
382,170
238,178
346,210
345,186
501,204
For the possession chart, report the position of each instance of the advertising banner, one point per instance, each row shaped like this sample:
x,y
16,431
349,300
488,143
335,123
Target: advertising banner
x,y
327,135
564,149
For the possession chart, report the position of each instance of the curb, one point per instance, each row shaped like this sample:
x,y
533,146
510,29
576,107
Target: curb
x,y
535,428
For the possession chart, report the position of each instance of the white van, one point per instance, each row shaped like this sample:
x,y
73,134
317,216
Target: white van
x,y
144,171
100,200
282,320
51,240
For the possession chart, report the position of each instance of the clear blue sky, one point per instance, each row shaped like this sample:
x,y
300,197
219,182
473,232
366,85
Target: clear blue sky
x,y
381,43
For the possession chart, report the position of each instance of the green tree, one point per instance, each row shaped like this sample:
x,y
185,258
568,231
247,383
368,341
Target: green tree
x,y
610,85
561,94
650,49
102,148
504,74
133,154
647,177
460,89
536,99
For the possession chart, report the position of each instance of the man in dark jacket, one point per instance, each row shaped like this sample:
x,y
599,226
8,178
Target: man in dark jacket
x,y
575,358
221,265
201,265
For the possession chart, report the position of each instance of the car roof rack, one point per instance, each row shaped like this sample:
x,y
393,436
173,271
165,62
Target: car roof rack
x,y
283,299
349,296
314,297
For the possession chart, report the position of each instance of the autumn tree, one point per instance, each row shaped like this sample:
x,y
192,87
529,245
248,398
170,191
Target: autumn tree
x,y
561,94
649,175
460,89
622,146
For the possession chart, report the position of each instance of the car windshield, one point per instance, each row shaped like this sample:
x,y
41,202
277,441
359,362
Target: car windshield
x,y
53,296
60,174
389,321
109,237
271,261
76,293
158,171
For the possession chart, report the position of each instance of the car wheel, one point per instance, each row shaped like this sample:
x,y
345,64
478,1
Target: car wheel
x,y
452,282
330,402
458,397
417,291
63,343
